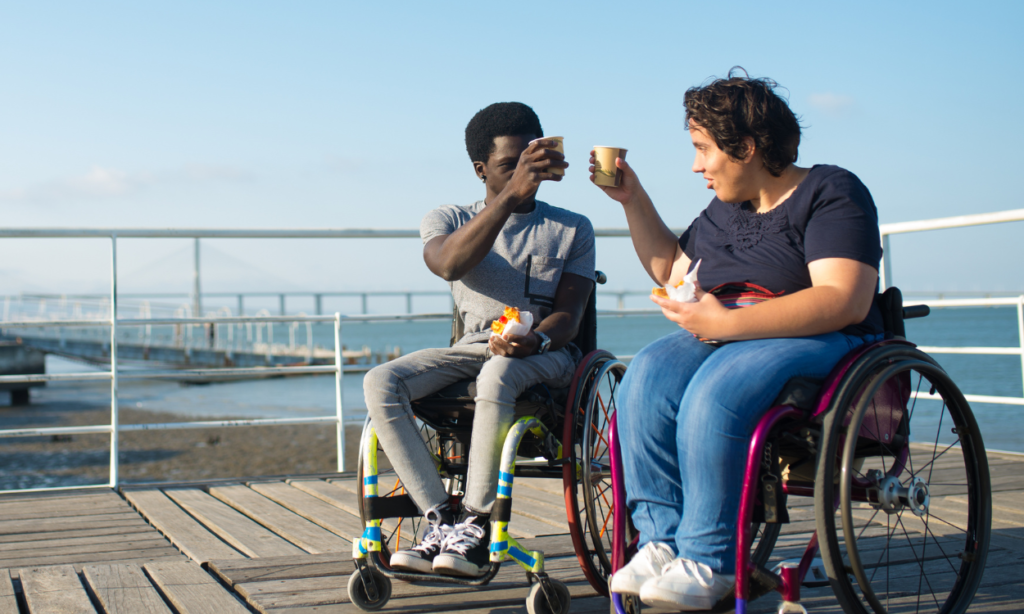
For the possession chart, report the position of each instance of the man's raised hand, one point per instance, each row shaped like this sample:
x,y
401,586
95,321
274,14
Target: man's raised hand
x,y
533,166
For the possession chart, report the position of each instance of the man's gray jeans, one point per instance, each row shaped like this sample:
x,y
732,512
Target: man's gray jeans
x,y
391,387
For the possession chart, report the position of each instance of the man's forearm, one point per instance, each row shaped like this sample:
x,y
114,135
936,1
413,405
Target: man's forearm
x,y
469,244
561,327
654,243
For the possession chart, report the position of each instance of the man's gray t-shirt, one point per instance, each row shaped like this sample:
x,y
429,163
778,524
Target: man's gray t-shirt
x,y
523,268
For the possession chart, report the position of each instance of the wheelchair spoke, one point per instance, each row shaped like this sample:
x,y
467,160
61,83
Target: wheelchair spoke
x,y
946,522
935,458
885,550
939,546
938,432
920,562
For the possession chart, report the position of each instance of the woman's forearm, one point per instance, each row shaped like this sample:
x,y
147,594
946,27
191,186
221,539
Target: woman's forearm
x,y
654,243
813,311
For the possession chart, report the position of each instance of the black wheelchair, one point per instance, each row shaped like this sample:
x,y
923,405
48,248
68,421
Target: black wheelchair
x,y
558,434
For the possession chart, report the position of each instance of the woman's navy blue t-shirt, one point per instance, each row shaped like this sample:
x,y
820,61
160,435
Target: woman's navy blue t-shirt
x,y
829,215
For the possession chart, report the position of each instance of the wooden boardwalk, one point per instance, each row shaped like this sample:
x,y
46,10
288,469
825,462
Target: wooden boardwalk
x,y
284,546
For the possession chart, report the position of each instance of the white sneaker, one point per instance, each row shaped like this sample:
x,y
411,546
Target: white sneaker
x,y
647,564
686,585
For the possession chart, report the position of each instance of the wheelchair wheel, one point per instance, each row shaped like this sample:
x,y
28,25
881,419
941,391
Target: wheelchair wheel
x,y
902,457
587,474
537,601
404,532
357,593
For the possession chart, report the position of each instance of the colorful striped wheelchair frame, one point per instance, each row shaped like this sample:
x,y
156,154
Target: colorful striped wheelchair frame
x,y
503,546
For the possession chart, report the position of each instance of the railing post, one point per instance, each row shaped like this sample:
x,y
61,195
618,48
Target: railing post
x,y
197,302
886,273
408,302
114,417
319,299
364,303
1020,334
338,392
280,302
241,304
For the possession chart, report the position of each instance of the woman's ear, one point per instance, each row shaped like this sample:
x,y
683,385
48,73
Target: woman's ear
x,y
750,148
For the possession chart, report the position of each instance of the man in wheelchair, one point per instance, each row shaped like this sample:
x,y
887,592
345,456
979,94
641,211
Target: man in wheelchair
x,y
507,249
799,249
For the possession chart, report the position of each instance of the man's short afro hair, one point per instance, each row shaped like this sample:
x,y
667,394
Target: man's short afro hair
x,y
499,119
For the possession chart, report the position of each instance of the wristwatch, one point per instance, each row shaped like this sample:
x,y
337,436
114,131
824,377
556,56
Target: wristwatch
x,y
545,342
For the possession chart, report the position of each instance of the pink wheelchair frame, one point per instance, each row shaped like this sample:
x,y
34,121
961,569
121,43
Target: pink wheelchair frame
x,y
788,581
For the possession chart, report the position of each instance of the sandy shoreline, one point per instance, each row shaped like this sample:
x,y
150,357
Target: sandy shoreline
x,y
159,455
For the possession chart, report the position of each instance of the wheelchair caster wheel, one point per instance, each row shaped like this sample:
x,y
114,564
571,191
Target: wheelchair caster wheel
x,y
358,594
537,601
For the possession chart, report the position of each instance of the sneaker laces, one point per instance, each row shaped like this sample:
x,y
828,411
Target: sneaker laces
x,y
692,569
434,538
463,536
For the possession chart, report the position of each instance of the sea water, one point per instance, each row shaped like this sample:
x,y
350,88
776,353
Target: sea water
x,y
1002,426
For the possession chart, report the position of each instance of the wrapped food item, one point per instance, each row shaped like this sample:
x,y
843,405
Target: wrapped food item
x,y
513,322
683,292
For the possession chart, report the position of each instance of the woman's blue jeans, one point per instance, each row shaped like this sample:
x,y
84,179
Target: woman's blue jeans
x,y
686,414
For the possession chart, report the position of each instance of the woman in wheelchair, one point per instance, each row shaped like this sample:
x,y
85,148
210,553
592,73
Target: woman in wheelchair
x,y
507,249
799,249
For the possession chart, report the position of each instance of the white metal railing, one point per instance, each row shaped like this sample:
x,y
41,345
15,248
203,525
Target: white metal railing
x,y
113,322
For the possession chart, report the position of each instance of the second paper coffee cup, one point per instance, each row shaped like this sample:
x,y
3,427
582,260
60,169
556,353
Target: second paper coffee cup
x,y
605,171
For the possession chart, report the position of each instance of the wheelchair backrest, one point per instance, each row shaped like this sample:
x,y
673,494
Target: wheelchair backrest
x,y
586,336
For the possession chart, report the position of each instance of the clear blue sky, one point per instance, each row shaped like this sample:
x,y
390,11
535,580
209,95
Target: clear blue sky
x,y
345,114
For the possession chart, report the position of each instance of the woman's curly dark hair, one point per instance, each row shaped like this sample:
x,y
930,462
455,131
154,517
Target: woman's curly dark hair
x,y
739,106
499,119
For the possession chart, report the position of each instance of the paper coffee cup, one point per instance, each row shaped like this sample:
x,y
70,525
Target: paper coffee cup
x,y
605,171
559,148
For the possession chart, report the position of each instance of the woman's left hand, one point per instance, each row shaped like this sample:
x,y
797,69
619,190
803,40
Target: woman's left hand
x,y
707,318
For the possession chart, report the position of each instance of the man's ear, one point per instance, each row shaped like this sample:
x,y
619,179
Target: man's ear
x,y
481,171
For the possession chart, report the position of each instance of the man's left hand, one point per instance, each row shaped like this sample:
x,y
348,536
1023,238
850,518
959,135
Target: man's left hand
x,y
516,346
707,318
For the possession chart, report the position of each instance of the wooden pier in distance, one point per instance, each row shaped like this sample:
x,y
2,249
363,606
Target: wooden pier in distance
x,y
283,545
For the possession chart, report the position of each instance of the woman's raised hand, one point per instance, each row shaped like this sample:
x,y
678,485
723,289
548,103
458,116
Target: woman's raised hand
x,y
629,185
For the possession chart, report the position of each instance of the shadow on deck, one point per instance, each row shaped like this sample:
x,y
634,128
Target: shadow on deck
x,y
283,545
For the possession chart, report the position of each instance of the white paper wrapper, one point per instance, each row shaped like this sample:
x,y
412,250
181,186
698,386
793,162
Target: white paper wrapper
x,y
686,293
524,326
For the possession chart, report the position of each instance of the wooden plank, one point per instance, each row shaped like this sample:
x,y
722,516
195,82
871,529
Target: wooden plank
x,y
291,526
8,600
137,526
246,536
68,508
119,556
55,589
281,568
328,516
124,589
46,525
191,537
57,495
193,591
331,492
104,543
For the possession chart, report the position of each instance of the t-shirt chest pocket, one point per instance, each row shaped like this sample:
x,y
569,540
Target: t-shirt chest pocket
x,y
542,276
